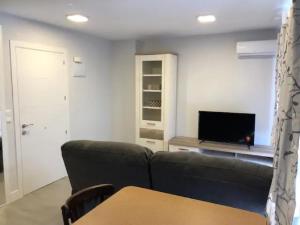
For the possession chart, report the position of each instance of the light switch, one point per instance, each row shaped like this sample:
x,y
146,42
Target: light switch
x,y
77,59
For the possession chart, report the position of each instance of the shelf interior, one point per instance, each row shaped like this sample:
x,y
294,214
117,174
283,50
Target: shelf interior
x,y
152,90
152,114
151,99
152,67
152,83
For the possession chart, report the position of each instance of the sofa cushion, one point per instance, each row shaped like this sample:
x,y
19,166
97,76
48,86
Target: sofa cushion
x,y
230,182
92,162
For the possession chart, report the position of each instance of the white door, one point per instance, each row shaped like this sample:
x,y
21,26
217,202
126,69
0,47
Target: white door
x,y
41,112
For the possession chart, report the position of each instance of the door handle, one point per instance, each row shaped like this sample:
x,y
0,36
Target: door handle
x,y
27,125
24,132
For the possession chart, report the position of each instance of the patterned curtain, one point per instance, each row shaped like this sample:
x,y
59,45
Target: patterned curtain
x,y
281,202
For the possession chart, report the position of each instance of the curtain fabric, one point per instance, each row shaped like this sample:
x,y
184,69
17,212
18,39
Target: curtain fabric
x,y
281,203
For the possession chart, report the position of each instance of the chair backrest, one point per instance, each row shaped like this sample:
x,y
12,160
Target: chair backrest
x,y
85,200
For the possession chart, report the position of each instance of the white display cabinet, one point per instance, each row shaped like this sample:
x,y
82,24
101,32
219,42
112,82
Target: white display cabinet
x,y
156,80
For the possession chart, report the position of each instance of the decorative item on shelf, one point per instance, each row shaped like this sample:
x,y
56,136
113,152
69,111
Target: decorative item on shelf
x,y
248,140
154,87
154,103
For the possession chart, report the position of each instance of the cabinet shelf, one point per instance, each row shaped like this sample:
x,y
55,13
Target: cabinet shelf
x,y
150,107
158,91
152,75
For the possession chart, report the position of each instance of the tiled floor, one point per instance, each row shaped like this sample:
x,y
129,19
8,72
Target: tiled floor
x,y
41,207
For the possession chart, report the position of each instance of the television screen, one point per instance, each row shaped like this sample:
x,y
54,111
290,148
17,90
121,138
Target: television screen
x,y
227,127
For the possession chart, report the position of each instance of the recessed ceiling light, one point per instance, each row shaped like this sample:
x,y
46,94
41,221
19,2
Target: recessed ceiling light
x,y
77,18
206,19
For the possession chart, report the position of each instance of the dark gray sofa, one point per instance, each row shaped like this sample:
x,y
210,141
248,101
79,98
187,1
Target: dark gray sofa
x,y
230,182
224,181
89,163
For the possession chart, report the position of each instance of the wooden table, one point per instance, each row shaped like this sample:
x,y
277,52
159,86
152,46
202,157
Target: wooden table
x,y
138,206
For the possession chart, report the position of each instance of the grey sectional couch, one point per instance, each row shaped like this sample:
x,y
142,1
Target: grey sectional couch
x,y
230,182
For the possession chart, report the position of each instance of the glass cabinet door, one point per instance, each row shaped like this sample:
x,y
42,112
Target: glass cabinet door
x,y
152,93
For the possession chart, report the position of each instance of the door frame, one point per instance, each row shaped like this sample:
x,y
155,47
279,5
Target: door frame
x,y
16,109
3,123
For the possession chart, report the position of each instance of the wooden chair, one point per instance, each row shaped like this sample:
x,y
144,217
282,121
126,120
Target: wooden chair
x,y
85,200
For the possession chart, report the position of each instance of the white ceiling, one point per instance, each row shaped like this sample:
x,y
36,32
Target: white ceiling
x,y
126,19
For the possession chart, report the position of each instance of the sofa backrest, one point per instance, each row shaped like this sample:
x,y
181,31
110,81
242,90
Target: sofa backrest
x,y
92,162
230,182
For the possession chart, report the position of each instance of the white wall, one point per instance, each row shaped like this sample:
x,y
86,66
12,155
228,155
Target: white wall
x,y
123,89
211,77
90,97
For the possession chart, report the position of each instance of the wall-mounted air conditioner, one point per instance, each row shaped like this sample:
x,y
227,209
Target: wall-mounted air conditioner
x,y
256,48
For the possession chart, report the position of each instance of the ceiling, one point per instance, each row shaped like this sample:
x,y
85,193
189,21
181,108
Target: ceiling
x,y
128,19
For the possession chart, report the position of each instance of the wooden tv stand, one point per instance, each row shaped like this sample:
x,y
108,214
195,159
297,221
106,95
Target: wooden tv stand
x,y
258,153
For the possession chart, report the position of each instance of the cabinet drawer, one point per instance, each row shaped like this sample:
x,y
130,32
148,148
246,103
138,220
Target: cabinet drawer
x,y
177,148
154,145
151,124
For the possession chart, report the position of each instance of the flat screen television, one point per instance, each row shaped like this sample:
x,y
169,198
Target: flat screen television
x,y
237,128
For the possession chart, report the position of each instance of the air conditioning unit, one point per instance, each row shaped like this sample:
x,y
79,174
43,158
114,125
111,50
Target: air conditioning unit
x,y
256,48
